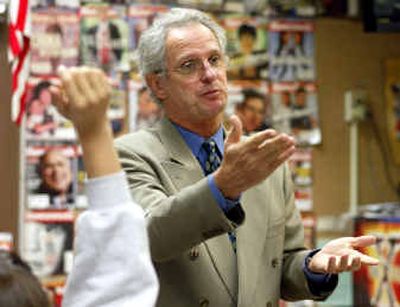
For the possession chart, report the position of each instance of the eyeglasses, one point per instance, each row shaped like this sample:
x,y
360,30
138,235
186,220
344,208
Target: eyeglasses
x,y
196,67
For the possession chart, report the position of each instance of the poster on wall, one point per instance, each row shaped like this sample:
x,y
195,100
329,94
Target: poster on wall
x,y
392,95
291,49
295,111
249,100
43,122
247,46
48,238
55,40
51,172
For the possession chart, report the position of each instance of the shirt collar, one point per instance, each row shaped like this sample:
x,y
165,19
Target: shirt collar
x,y
195,141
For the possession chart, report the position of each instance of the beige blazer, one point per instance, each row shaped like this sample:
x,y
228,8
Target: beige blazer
x,y
190,247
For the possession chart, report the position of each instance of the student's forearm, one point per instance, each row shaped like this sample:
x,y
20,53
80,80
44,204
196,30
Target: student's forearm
x,y
99,156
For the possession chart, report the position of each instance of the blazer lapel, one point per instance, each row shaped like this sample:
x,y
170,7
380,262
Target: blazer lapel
x,y
181,165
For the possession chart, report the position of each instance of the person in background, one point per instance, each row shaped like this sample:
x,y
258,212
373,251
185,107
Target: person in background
x,y
149,112
56,178
112,265
220,213
252,111
18,286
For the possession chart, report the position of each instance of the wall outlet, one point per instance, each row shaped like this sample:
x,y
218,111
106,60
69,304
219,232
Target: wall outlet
x,y
355,108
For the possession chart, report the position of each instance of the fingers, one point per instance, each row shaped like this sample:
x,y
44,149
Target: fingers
x,y
257,139
235,133
331,265
347,263
363,241
356,264
69,83
368,260
85,87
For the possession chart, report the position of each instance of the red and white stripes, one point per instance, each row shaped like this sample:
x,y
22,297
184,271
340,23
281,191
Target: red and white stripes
x,y
18,54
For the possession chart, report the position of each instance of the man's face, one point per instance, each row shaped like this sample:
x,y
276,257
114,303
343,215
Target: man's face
x,y
301,99
56,172
252,114
45,96
246,43
195,88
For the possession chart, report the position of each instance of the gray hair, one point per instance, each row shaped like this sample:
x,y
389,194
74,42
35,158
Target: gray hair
x,y
152,41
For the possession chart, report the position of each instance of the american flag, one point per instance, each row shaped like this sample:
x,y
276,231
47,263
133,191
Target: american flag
x,y
19,25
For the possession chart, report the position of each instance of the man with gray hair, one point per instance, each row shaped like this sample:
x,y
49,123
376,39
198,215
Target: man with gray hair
x,y
220,213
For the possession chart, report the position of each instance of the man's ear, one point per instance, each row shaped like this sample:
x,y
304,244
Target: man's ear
x,y
157,84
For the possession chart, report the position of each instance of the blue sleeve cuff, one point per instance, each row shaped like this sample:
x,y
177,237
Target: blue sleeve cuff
x,y
224,203
319,284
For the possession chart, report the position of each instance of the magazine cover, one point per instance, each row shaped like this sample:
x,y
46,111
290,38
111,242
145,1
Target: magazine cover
x,y
295,111
104,38
392,95
43,122
140,17
247,46
48,237
143,110
291,51
71,4
300,164
249,100
55,40
296,8
51,172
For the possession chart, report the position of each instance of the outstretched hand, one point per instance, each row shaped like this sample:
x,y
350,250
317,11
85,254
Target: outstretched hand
x,y
341,255
252,160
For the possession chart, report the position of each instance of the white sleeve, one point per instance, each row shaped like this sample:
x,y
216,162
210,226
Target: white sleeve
x,y
112,264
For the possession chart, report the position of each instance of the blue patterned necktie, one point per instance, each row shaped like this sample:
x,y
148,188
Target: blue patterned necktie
x,y
213,161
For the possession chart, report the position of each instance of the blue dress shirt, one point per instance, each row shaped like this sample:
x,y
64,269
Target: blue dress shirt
x,y
195,142
318,283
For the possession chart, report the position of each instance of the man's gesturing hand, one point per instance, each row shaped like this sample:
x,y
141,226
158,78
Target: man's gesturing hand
x,y
340,255
246,163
